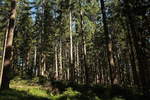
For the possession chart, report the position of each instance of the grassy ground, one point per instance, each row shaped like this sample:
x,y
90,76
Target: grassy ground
x,y
22,89
25,89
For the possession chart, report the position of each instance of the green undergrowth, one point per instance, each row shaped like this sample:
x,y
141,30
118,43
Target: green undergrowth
x,y
37,89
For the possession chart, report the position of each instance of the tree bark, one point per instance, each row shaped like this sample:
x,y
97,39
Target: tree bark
x,y
71,50
6,65
35,69
60,60
84,67
56,63
111,61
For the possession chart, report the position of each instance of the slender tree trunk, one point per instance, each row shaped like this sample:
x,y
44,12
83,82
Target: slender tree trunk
x,y
77,62
67,71
84,62
35,69
56,63
27,58
60,60
86,75
6,65
71,50
22,67
111,61
43,65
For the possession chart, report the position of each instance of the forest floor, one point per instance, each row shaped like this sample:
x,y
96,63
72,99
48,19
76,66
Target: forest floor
x,y
39,89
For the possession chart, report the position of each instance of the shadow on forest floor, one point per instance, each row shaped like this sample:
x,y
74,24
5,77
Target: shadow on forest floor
x,y
98,92
12,94
40,89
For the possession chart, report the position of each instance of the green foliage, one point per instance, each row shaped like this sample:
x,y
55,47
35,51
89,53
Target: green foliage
x,y
69,94
38,92
117,98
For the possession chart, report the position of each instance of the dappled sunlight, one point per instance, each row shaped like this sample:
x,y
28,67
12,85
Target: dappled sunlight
x,y
21,90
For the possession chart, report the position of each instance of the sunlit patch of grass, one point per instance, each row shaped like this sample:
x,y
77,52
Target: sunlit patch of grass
x,y
69,94
17,81
97,98
34,91
117,98
30,87
24,85
38,92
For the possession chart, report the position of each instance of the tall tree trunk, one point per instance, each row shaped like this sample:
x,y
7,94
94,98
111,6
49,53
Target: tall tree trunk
x,y
71,49
43,65
111,61
77,62
84,62
27,59
56,63
35,69
6,65
60,60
